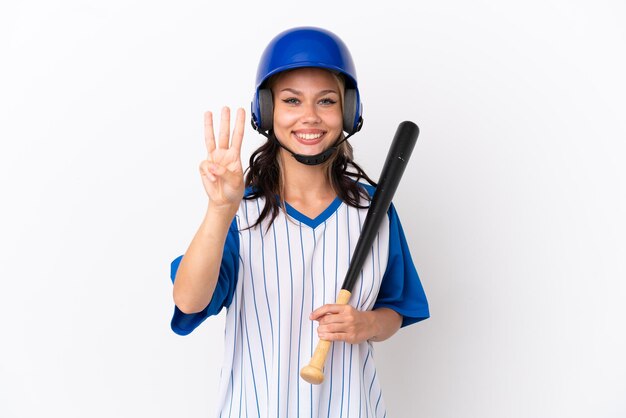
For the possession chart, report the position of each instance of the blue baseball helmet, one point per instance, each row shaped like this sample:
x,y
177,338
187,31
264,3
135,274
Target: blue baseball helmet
x,y
306,47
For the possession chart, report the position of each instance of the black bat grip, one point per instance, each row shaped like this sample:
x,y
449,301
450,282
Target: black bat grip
x,y
397,159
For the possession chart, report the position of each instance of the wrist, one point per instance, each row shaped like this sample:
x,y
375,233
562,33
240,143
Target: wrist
x,y
386,322
224,212
373,326
217,221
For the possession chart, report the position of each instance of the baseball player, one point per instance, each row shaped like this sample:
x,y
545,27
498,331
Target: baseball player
x,y
276,242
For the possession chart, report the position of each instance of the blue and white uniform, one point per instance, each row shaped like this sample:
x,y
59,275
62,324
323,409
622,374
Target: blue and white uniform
x,y
270,282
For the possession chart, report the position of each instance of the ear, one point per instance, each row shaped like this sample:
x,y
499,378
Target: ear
x,y
350,109
266,109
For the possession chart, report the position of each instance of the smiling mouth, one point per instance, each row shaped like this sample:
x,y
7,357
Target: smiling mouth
x,y
309,137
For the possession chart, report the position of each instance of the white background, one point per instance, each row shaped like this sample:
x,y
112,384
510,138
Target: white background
x,y
513,202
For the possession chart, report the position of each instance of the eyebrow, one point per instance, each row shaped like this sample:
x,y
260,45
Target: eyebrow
x,y
297,92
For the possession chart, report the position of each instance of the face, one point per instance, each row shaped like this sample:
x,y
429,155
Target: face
x,y
307,110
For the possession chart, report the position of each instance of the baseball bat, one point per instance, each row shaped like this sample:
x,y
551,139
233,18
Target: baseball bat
x,y
395,163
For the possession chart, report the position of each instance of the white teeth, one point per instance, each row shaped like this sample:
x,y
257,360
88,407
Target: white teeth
x,y
308,136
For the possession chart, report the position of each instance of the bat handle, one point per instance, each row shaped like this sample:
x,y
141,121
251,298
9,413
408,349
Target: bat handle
x,y
313,373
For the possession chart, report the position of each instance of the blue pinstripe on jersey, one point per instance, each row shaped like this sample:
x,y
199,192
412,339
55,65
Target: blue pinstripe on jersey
x,y
279,325
343,376
290,311
241,365
301,313
232,371
256,310
269,311
378,401
312,303
332,354
256,394
367,357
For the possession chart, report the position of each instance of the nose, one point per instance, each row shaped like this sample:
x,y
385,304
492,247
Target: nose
x,y
310,114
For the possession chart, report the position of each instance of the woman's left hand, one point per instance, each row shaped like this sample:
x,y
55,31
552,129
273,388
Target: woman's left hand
x,y
344,323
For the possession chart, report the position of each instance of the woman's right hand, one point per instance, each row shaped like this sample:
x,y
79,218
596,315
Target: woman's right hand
x,y
221,172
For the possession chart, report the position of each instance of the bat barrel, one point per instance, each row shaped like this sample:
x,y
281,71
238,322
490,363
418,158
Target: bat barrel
x,y
397,158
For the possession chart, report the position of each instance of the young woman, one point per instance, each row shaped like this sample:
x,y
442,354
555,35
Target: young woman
x,y
274,249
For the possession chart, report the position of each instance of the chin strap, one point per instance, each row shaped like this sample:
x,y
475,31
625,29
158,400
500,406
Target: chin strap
x,y
313,159
308,159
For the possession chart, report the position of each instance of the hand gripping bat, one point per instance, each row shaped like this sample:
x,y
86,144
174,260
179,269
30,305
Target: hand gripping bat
x,y
397,159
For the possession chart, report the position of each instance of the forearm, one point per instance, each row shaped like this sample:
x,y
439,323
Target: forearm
x,y
385,323
198,271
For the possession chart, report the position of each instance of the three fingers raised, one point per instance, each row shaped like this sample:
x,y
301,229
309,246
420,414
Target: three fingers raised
x,y
224,137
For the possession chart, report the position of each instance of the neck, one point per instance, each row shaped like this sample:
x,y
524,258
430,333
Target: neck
x,y
304,180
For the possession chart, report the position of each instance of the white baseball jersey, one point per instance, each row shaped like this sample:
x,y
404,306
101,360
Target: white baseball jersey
x,y
271,281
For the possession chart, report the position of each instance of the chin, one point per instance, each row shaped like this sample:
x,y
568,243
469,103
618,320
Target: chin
x,y
309,151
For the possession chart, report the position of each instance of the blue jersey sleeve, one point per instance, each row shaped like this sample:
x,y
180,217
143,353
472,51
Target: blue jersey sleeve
x,y
401,289
183,323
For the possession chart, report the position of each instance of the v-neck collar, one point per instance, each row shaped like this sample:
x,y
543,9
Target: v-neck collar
x,y
319,219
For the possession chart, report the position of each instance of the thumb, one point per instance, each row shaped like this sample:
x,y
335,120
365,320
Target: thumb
x,y
231,177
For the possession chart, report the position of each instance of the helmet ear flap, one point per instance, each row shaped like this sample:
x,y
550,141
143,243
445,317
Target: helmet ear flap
x,y
266,109
351,111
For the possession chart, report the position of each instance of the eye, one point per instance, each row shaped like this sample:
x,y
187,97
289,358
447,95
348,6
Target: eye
x,y
291,100
328,101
